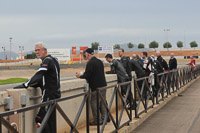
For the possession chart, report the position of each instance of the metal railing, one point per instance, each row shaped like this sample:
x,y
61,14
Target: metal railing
x,y
117,120
53,105
145,89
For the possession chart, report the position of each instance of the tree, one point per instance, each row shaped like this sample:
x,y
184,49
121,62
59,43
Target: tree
x,y
95,45
193,44
153,45
179,44
167,45
116,46
140,45
130,45
30,56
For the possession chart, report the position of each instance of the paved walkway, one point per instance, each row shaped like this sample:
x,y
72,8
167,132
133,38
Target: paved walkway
x,y
180,115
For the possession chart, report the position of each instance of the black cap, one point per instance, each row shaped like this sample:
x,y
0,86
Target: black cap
x,y
90,51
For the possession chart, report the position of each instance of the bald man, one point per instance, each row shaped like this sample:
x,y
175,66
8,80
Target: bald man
x,y
172,62
162,62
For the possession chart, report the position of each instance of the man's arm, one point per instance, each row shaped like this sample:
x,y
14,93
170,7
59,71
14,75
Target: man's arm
x,y
38,77
88,71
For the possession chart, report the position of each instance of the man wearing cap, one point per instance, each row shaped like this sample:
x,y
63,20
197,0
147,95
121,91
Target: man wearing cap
x,y
94,74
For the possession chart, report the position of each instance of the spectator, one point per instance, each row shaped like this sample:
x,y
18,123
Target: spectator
x,y
94,74
48,79
163,63
192,63
122,76
138,59
147,63
172,62
125,60
138,68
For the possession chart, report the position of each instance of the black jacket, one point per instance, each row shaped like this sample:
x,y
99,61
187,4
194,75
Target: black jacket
x,y
47,78
163,63
172,63
125,60
94,74
117,68
135,66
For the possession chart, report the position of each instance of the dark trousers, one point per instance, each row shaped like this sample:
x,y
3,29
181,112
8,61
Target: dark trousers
x,y
124,89
93,102
50,126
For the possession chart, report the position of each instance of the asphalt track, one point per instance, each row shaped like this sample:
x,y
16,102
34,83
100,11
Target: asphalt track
x,y
181,115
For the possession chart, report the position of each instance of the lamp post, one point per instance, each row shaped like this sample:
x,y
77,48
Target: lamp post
x,y
21,48
167,30
10,47
4,49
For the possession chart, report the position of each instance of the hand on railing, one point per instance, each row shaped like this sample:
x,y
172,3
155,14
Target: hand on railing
x,y
20,86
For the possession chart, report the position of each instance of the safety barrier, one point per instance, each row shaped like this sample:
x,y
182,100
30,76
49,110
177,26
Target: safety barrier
x,y
117,95
165,83
147,90
53,104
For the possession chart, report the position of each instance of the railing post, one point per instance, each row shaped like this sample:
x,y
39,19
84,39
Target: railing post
x,y
87,108
98,124
116,101
0,124
135,91
131,103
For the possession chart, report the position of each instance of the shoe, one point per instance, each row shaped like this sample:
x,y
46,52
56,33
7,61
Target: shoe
x,y
108,120
93,123
131,108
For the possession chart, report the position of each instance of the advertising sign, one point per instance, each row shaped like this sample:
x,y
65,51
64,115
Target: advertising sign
x,y
82,49
73,50
60,54
105,49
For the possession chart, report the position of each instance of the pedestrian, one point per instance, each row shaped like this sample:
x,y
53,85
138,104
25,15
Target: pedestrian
x,y
48,79
172,62
95,76
122,76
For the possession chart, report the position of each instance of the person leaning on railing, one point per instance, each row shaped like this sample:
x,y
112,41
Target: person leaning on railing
x,y
48,79
94,74
122,76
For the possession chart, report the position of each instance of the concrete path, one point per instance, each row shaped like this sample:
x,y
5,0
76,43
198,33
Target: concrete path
x,y
180,115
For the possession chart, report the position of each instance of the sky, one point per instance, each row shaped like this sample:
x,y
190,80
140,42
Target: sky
x,y
67,23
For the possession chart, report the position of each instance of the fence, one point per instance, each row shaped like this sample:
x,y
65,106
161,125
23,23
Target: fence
x,y
147,90
164,85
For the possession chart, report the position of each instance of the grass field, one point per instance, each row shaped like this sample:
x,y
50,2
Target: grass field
x,y
12,80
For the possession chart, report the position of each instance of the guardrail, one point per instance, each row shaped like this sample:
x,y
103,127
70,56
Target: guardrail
x,y
117,95
165,83
147,90
53,105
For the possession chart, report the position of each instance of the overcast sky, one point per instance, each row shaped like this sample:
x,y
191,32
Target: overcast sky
x,y
67,23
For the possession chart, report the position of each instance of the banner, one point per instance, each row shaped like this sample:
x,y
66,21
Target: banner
x,y
82,49
105,49
73,50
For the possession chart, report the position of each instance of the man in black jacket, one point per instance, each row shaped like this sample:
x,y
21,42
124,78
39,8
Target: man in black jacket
x,y
94,74
48,79
125,60
163,63
122,76
138,68
172,62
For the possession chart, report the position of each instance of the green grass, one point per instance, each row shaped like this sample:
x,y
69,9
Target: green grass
x,y
12,80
